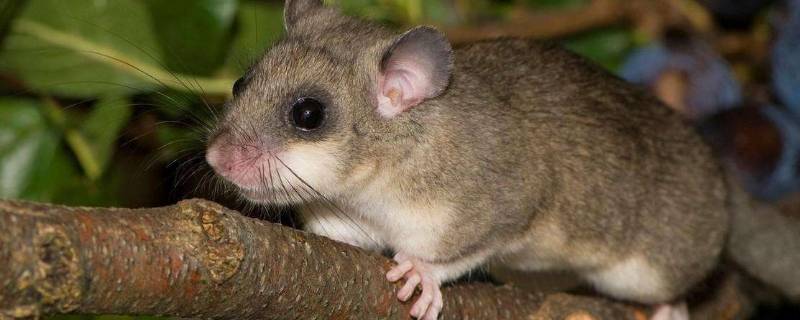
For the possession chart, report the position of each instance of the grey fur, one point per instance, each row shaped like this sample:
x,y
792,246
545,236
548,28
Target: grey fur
x,y
766,242
527,138
295,9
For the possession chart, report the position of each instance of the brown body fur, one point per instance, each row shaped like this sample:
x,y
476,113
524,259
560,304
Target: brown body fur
x,y
531,156
554,142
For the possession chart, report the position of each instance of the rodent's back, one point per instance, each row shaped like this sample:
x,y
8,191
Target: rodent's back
x,y
561,102
598,156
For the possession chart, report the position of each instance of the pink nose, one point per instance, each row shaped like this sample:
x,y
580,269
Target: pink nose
x,y
236,162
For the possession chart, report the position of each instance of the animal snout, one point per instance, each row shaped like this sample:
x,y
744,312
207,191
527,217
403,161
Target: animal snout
x,y
231,158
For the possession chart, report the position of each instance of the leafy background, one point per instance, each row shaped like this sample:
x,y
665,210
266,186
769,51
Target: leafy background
x,y
104,102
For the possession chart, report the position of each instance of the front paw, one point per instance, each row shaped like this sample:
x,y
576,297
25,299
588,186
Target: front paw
x,y
416,272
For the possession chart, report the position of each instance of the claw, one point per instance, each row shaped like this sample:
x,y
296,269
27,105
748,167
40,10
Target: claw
x,y
415,272
399,271
408,289
424,300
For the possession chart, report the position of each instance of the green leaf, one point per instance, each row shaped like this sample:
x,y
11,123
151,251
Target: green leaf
x,y
177,141
195,34
175,104
32,162
8,10
439,12
259,25
86,48
102,128
369,9
606,46
37,50
35,164
557,4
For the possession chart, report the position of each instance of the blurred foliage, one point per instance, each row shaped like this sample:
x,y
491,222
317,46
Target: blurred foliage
x,y
106,102
745,101
88,83
710,85
785,61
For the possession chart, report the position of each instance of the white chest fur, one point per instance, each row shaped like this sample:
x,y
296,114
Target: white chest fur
x,y
414,227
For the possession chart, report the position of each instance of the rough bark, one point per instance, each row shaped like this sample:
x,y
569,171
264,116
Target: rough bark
x,y
198,259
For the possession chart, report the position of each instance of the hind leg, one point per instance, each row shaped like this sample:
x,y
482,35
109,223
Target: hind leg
x,y
636,279
632,279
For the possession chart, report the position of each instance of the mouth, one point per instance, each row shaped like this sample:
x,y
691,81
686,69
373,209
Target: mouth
x,y
267,196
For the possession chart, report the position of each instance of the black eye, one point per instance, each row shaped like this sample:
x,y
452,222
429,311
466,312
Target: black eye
x,y
308,114
238,86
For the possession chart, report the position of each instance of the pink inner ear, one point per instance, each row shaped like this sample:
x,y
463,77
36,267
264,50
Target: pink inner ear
x,y
402,86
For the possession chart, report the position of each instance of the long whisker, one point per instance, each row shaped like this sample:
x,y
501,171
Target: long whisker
x,y
159,62
303,199
140,70
271,181
205,183
262,178
185,177
329,203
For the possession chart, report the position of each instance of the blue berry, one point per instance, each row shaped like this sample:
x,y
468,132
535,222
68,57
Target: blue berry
x,y
709,83
763,144
786,60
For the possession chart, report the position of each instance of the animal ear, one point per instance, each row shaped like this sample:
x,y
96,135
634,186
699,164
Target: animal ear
x,y
294,10
416,67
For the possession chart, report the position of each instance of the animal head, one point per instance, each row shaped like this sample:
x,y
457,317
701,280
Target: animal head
x,y
307,117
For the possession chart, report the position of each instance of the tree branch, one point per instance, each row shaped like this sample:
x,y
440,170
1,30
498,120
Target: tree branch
x,y
198,259
546,24
649,17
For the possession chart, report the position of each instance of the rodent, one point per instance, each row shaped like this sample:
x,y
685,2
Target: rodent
x,y
512,151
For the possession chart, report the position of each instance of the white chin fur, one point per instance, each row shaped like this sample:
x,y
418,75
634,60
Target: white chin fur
x,y
313,165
